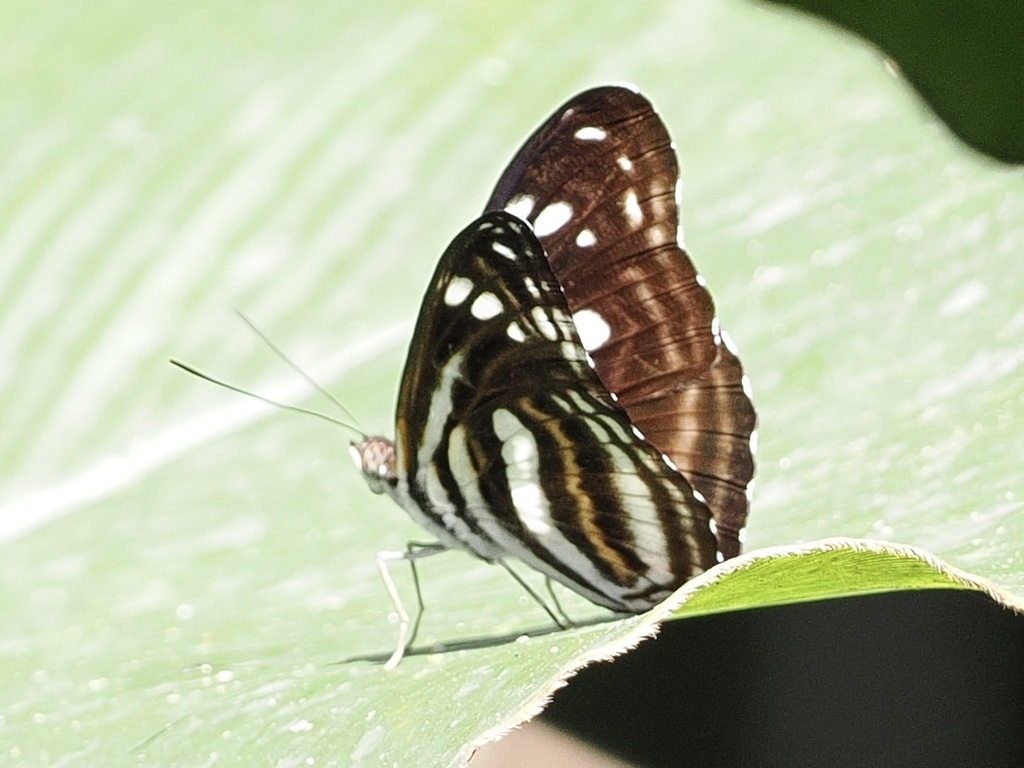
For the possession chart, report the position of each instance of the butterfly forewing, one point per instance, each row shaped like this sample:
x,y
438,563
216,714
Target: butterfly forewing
x,y
598,182
509,444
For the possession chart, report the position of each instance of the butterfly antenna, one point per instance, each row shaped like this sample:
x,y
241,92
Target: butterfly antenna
x,y
285,406
298,369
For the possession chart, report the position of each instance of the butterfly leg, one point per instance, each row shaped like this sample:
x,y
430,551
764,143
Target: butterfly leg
x,y
537,598
406,629
558,606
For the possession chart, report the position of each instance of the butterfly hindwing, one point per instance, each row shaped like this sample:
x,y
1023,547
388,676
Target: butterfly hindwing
x,y
510,445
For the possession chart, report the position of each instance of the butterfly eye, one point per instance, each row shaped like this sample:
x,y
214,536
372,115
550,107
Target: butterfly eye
x,y
375,458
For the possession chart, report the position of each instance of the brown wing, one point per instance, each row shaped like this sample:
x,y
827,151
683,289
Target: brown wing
x,y
598,183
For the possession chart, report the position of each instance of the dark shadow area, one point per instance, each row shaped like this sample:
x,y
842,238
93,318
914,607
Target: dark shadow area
x,y
965,59
931,678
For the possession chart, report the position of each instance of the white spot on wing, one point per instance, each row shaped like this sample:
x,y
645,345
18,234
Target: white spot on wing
x,y
529,503
520,447
485,306
631,207
503,250
581,404
586,238
544,323
457,291
622,436
591,133
656,236
571,352
515,333
593,329
522,470
521,206
624,163
552,218
531,286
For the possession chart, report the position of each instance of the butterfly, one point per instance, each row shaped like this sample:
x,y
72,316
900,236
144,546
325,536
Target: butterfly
x,y
569,400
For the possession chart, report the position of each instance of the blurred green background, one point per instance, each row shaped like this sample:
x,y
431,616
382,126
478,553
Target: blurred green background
x,y
173,554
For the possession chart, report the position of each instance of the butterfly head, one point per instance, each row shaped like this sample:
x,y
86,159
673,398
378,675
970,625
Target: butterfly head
x,y
375,458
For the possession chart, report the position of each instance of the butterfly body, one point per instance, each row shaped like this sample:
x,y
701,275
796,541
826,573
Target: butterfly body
x,y
568,400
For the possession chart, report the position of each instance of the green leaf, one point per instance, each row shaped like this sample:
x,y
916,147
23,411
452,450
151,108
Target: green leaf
x,y
185,572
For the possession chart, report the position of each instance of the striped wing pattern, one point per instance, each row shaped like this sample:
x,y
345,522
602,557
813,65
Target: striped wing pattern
x,y
509,445
598,182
